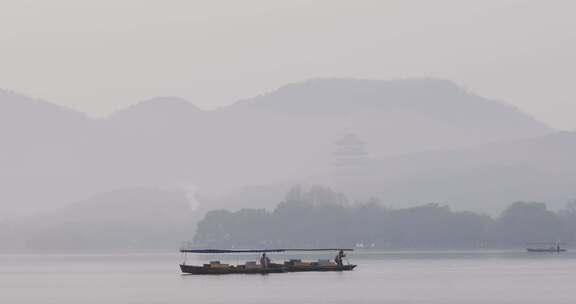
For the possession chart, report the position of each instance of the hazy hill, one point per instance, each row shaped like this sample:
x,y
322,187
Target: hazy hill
x,y
55,156
289,133
434,97
397,116
34,117
45,150
125,219
156,114
484,177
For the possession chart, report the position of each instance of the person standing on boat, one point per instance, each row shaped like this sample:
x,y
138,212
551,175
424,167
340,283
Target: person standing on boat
x,y
338,258
264,260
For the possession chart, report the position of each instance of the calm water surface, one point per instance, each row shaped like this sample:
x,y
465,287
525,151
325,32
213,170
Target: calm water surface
x,y
381,277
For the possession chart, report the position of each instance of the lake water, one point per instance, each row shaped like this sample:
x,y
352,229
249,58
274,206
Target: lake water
x,y
381,277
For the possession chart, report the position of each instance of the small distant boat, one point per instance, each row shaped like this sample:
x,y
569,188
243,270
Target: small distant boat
x,y
551,247
266,266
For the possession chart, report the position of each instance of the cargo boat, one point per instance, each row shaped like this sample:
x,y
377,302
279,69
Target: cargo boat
x,y
265,266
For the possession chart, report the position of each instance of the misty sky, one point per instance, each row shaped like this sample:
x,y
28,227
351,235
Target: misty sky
x,y
98,56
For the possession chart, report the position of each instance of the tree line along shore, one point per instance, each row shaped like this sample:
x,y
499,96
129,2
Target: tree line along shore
x,y
322,217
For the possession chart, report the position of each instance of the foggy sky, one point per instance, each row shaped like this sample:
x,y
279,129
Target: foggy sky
x,y
99,56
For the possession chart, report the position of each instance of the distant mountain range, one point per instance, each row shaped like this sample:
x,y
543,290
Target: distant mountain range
x,y
52,156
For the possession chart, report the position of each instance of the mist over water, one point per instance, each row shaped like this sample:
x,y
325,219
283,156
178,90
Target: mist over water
x,y
381,277
124,181
431,136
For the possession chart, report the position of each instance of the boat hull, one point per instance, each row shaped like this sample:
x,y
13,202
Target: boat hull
x,y
319,268
189,269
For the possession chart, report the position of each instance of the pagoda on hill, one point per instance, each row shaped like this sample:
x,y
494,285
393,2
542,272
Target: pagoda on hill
x,y
352,169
